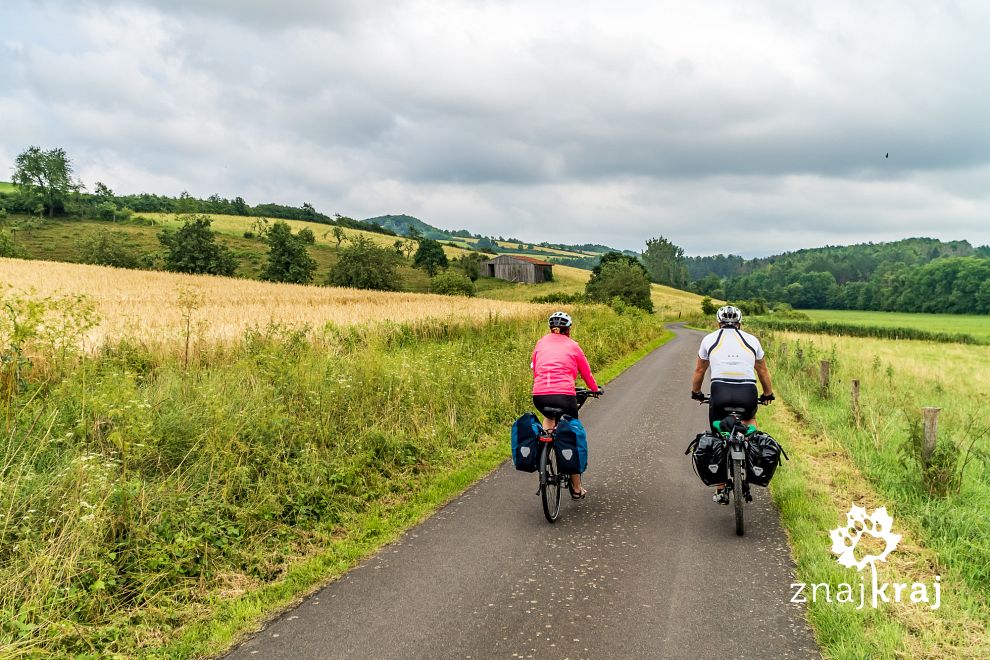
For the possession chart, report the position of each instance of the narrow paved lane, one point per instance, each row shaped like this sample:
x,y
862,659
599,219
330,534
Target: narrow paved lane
x,y
646,567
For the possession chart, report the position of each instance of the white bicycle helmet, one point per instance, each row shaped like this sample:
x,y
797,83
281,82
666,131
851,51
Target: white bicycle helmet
x,y
560,320
729,314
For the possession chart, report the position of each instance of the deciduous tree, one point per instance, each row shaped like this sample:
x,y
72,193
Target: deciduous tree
x,y
45,176
364,265
430,256
288,260
193,248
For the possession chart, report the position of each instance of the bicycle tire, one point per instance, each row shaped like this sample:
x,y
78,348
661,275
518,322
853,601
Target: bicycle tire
x,y
737,494
549,483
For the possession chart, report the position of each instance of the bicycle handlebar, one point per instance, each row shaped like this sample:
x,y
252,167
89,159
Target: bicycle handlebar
x,y
583,394
707,399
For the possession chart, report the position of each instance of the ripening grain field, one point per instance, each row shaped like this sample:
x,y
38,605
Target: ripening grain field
x,y
145,305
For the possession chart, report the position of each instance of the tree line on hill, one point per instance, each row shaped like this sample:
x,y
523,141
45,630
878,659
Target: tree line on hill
x,y
45,187
911,275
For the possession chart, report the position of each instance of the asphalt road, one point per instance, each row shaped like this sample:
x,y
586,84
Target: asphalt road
x,y
646,567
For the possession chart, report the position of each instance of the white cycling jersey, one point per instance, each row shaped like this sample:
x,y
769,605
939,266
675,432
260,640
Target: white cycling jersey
x,y
732,355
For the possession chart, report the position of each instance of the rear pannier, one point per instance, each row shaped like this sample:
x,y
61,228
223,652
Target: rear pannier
x,y
526,443
570,441
709,456
762,458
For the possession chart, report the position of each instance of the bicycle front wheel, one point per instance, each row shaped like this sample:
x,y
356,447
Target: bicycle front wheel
x,y
549,483
737,495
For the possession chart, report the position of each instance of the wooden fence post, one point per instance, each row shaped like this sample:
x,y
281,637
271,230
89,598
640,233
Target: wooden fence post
x,y
931,435
855,400
823,377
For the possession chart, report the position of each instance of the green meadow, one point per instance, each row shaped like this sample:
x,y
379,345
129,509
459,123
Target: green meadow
x,y
974,325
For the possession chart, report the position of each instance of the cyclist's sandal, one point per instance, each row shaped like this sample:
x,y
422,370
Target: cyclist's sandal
x,y
576,495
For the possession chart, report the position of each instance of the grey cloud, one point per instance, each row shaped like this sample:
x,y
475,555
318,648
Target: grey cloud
x,y
513,117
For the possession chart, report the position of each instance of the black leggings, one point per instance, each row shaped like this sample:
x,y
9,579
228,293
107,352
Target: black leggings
x,y
732,395
566,402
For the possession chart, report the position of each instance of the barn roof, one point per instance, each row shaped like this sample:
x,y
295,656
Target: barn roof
x,y
527,259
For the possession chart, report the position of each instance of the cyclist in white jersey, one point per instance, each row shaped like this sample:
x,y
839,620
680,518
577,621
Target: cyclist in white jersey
x,y
736,359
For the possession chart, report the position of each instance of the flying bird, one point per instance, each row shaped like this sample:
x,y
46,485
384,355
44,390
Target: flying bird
x,y
888,155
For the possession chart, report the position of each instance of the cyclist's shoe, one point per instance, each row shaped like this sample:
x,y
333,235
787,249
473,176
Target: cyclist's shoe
x,y
746,494
721,496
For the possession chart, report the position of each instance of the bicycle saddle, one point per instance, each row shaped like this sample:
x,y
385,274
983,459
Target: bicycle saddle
x,y
553,413
730,424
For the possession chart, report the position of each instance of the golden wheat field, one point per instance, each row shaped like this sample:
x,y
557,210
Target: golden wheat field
x,y
145,305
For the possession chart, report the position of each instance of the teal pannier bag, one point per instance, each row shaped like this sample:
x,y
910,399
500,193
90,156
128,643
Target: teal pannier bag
x,y
571,444
526,443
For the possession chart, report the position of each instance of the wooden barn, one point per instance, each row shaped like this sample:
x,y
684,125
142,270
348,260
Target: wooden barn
x,y
514,268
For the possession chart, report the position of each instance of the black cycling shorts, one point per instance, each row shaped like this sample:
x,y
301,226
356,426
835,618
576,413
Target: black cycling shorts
x,y
566,402
732,395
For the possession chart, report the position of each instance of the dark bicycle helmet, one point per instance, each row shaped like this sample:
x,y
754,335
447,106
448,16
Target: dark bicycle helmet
x,y
560,320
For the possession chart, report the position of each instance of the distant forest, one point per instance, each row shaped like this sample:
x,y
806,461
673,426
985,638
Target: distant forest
x,y
911,275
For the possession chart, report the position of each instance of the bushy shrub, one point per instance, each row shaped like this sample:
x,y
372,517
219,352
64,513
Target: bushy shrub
x,y
108,248
193,248
449,283
307,236
560,299
288,260
8,248
364,265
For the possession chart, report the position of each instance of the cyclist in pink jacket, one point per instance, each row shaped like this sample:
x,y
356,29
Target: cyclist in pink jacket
x,y
557,361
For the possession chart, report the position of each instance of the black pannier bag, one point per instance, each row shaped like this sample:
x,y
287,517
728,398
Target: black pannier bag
x,y
526,443
709,457
762,458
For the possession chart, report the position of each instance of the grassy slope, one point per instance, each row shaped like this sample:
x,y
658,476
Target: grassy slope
x,y
978,326
236,225
838,463
7,187
59,240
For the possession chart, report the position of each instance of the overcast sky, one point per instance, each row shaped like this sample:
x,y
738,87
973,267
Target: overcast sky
x,y
745,127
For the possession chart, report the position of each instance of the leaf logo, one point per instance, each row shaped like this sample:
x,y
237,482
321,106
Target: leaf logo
x,y
877,525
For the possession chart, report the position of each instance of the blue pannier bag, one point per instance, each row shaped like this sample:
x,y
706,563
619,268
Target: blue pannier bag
x,y
526,443
571,444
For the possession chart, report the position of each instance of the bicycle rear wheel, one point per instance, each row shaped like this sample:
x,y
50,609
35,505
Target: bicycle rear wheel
x,y
737,495
549,483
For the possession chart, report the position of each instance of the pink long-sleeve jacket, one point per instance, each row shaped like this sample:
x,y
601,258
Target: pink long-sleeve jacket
x,y
557,360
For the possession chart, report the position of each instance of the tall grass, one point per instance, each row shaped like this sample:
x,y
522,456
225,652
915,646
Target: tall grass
x,y
945,508
139,495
